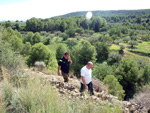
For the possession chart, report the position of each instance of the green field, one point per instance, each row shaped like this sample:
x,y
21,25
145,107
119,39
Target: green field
x,y
142,48
136,57
114,47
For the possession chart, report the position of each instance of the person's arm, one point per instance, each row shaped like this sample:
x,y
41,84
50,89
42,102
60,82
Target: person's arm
x,y
70,60
58,70
82,77
59,65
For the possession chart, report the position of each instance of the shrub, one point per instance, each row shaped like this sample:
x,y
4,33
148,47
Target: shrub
x,y
133,43
8,92
81,54
40,65
126,39
99,86
139,41
40,52
141,63
114,57
9,58
127,73
26,49
102,51
28,37
16,44
36,38
117,41
143,97
114,87
101,70
122,47
146,74
64,36
60,50
71,43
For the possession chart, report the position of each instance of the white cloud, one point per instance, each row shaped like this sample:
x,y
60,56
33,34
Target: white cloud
x,y
49,8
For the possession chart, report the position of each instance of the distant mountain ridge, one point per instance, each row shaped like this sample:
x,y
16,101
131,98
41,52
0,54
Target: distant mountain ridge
x,y
109,12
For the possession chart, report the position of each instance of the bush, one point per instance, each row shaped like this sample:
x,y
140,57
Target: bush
x,y
99,86
60,50
114,57
141,63
146,74
9,58
117,41
102,51
26,49
122,47
101,70
36,38
40,65
126,39
128,75
16,44
143,97
114,87
64,36
133,43
40,52
81,54
28,37
71,43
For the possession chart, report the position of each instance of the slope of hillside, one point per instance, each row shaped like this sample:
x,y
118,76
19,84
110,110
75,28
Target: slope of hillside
x,y
109,12
70,91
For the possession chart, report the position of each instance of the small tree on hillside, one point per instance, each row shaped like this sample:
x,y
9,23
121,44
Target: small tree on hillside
x,y
28,37
101,70
81,54
36,38
26,49
114,87
146,74
133,43
127,74
122,47
40,52
114,57
126,39
16,44
60,50
102,51
40,65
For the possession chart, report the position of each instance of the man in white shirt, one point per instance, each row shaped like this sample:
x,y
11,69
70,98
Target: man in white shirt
x,y
86,78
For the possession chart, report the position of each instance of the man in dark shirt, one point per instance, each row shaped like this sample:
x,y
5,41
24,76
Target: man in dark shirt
x,y
63,64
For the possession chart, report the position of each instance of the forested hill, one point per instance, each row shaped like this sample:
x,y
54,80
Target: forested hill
x,y
110,13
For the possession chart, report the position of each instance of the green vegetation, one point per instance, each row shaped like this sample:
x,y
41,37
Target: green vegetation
x,y
34,95
117,42
114,87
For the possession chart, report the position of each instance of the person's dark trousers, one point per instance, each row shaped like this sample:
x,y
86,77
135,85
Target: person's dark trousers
x,y
90,88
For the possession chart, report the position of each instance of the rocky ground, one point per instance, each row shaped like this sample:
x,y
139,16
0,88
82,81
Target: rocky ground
x,y
70,91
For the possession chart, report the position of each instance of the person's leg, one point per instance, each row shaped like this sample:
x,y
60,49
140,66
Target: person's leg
x,y
65,76
90,88
82,87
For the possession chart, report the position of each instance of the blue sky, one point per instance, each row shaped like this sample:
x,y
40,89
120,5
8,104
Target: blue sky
x,y
26,9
